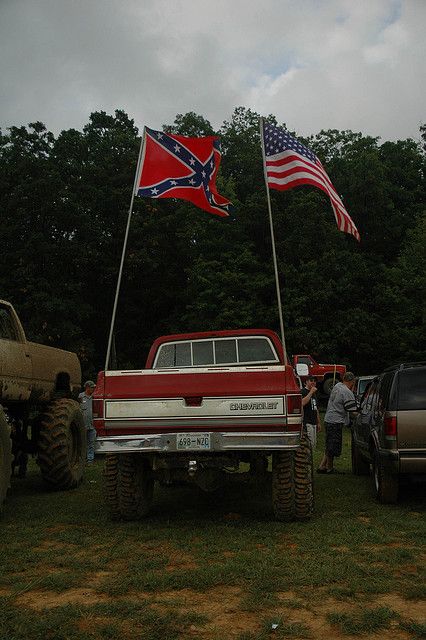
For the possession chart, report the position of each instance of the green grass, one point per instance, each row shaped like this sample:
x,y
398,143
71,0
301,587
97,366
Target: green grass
x,y
367,621
209,567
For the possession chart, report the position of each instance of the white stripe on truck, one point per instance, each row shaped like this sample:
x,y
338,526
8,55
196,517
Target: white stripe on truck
x,y
160,408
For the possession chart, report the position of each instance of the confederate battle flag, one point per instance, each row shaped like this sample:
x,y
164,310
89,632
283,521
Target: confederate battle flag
x,y
174,166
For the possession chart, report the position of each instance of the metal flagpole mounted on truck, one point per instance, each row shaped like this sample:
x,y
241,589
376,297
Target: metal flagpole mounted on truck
x,y
126,235
274,254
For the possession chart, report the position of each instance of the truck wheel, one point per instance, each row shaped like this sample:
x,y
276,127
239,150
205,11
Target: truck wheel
x,y
5,457
110,480
359,466
386,485
128,486
62,444
283,485
292,483
328,384
304,475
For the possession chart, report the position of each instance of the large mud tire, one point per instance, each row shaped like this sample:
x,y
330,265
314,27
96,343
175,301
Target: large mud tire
x,y
128,486
283,485
292,483
5,458
110,486
304,480
360,467
62,444
386,485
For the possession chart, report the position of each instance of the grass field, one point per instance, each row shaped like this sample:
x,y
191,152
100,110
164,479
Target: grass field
x,y
212,567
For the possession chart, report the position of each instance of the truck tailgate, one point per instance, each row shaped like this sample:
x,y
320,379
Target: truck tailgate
x,y
203,399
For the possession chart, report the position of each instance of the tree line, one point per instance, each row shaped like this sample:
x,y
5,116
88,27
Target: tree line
x,y
64,205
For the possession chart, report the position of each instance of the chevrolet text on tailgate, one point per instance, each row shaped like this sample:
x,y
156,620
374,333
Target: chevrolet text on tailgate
x,y
205,403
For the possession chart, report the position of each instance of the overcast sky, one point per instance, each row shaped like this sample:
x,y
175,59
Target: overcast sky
x,y
315,64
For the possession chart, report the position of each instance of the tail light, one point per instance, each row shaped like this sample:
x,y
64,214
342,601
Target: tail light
x,y
294,405
390,425
98,408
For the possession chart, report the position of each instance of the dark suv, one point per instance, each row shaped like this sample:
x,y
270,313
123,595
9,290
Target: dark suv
x,y
390,431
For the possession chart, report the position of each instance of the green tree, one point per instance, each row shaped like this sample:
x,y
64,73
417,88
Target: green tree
x,y
402,297
65,204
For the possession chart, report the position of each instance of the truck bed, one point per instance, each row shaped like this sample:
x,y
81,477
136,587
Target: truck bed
x,y
226,402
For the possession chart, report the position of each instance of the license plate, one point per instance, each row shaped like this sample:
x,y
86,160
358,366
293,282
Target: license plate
x,y
192,441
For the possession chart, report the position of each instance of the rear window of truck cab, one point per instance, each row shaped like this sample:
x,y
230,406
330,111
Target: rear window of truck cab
x,y
216,351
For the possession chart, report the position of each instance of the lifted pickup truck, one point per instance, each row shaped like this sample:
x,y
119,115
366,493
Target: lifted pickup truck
x,y
205,403
327,375
37,411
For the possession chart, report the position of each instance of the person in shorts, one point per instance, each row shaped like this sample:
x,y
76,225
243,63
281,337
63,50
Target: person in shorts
x,y
340,406
311,417
86,401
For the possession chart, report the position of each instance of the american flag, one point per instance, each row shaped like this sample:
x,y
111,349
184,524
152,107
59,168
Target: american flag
x,y
290,163
174,166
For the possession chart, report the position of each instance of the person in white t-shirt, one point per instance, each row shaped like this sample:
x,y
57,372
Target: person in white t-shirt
x,y
340,406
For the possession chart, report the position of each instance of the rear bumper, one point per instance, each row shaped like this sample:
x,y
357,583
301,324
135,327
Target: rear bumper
x,y
412,462
166,442
404,462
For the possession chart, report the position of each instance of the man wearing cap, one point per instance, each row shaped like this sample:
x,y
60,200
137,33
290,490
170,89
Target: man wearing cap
x,y
86,401
340,406
311,417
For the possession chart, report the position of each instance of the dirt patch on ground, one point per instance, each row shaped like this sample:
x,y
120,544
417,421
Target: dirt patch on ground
x,y
180,565
58,528
177,559
92,623
364,519
223,609
220,606
412,609
406,570
388,545
97,579
62,548
54,545
39,600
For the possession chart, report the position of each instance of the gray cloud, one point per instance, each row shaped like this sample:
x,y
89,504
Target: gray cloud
x,y
330,64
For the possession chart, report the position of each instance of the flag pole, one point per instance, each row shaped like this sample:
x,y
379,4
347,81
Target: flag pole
x,y
126,235
274,254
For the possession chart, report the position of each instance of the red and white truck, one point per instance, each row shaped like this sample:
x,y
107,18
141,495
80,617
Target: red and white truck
x,y
205,403
327,375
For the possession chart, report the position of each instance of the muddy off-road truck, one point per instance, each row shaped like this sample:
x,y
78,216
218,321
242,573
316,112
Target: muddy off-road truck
x,y
38,411
205,403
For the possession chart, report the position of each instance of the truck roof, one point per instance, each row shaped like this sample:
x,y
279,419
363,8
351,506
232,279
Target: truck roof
x,y
223,333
